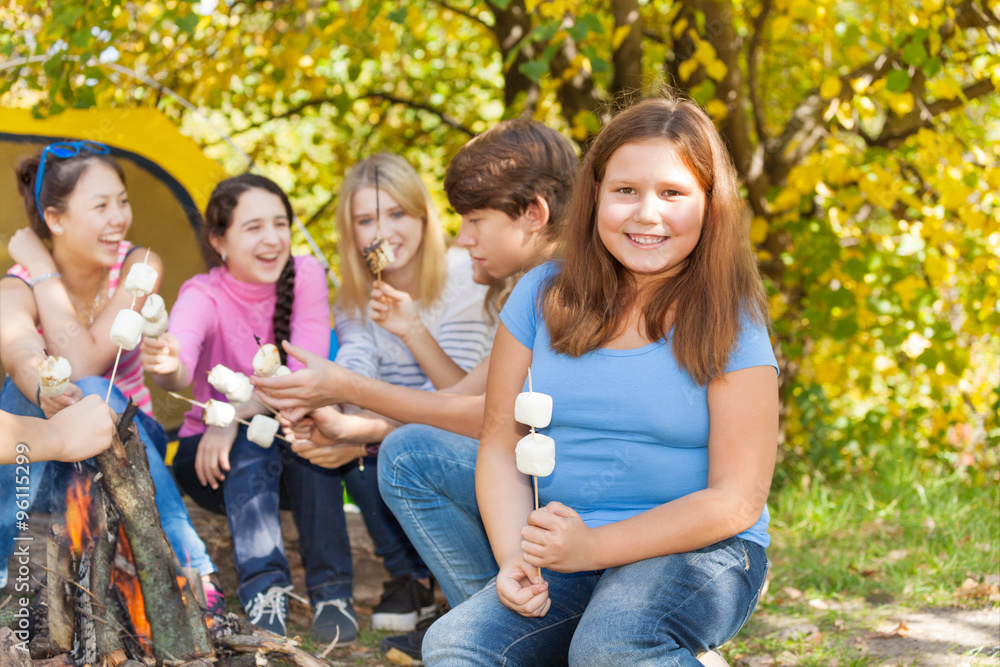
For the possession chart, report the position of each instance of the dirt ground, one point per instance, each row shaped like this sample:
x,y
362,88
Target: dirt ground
x,y
894,637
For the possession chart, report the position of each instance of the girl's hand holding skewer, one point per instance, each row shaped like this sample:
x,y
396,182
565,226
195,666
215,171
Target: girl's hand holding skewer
x,y
161,355
320,383
557,539
327,456
394,310
51,405
521,589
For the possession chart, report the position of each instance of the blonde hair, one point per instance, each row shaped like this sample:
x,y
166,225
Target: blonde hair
x,y
400,181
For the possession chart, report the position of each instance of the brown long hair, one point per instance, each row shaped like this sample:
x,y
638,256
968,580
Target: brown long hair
x,y
586,304
400,181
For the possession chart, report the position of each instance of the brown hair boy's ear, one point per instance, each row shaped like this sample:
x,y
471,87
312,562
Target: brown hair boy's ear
x,y
536,215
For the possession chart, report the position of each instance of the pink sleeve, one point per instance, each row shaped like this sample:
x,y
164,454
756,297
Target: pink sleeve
x,y
310,324
191,318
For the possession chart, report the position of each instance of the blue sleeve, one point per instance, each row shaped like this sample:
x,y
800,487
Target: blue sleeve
x,y
753,348
520,314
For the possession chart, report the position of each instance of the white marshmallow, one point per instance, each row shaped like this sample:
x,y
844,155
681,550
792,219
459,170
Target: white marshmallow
x,y
282,370
533,408
242,390
154,308
141,280
155,328
536,455
127,329
218,413
53,375
222,379
266,360
262,430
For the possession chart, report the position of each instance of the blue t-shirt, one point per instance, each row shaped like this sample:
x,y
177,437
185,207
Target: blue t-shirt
x,y
630,426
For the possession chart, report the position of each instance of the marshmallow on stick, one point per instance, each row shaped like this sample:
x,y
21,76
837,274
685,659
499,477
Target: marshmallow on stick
x,y
141,280
236,386
262,430
154,312
266,361
535,453
53,375
126,331
218,413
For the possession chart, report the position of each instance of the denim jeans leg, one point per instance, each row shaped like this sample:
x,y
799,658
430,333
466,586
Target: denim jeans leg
x,y
391,543
427,478
174,518
18,484
482,631
317,499
252,506
664,611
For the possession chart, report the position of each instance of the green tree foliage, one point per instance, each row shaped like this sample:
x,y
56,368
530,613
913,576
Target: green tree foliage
x,y
867,135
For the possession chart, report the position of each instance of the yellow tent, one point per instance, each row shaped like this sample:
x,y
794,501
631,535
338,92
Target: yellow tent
x,y
169,180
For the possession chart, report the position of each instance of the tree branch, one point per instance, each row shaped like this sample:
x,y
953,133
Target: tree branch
x,y
895,131
753,55
319,101
463,12
627,58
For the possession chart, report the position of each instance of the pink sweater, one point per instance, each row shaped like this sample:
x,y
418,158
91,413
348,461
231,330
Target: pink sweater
x,y
216,316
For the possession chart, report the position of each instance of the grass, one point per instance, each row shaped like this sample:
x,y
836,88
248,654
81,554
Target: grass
x,y
846,558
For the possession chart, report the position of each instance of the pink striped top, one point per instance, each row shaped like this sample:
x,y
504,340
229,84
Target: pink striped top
x,y
129,379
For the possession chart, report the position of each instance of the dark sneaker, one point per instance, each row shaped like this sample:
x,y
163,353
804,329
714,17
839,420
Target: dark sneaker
x,y
335,621
405,649
269,609
215,599
404,602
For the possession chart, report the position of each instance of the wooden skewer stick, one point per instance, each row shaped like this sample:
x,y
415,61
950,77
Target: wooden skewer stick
x,y
114,369
204,406
534,478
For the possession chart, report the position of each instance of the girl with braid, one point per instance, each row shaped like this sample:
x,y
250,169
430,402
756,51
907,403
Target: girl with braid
x,y
258,290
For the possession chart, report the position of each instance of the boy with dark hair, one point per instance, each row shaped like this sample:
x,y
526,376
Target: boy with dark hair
x,y
511,185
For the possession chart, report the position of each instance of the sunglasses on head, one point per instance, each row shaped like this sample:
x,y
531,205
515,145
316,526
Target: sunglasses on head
x,y
63,150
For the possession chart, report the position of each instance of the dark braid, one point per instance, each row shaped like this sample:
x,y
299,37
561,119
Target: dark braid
x,y
285,295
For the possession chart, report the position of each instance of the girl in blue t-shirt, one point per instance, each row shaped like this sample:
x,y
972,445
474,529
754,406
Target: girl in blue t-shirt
x,y
651,337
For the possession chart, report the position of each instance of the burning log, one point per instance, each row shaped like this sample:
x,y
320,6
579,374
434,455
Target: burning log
x,y
60,614
177,627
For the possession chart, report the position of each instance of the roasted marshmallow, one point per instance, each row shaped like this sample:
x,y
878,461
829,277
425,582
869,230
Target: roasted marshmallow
x,y
266,361
262,430
282,370
127,329
533,409
536,455
53,375
218,413
242,391
141,280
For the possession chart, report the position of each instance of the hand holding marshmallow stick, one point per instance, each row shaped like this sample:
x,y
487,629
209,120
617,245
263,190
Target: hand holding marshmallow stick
x,y
126,331
535,453
261,430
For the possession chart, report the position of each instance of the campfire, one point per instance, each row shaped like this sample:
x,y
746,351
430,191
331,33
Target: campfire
x,y
115,594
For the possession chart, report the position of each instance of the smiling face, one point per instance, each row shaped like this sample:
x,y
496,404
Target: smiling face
x,y
97,216
650,209
257,242
402,231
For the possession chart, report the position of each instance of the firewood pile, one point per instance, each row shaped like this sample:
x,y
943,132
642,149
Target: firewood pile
x,y
115,594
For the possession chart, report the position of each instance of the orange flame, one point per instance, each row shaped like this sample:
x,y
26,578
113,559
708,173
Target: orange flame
x,y
78,505
129,586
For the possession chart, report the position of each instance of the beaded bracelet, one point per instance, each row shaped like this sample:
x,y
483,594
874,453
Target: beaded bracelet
x,y
44,276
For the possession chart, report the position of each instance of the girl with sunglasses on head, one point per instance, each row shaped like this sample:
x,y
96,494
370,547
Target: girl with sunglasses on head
x,y
61,299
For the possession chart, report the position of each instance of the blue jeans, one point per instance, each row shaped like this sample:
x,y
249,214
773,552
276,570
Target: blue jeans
x,y
427,478
188,547
658,611
252,501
